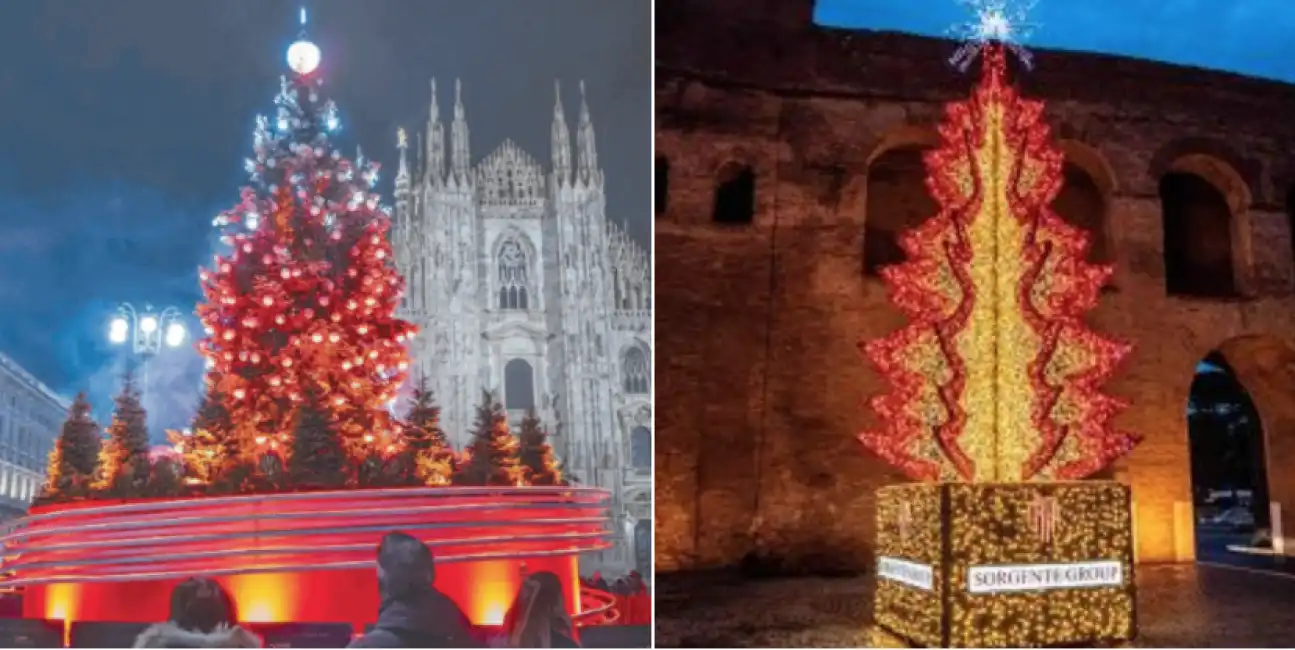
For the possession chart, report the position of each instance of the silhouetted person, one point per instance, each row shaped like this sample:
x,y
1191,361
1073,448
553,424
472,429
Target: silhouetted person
x,y
538,617
202,616
413,614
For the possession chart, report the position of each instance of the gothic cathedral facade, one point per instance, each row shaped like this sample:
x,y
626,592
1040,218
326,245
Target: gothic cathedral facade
x,y
523,287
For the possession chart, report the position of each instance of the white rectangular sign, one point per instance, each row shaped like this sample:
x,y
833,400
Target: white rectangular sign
x,y
912,574
1043,577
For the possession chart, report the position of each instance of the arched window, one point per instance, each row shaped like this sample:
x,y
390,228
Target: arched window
x,y
635,373
514,276
640,448
1198,237
1080,203
735,195
662,184
897,201
519,385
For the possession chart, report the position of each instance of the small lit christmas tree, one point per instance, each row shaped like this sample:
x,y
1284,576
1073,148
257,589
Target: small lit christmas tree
x,y
424,441
535,455
75,457
317,458
491,457
210,443
307,293
123,459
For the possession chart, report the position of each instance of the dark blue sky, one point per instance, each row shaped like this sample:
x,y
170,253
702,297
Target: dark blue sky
x,y
124,125
1252,37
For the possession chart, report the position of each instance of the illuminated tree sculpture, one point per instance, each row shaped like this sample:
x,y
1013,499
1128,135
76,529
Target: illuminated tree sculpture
x,y
75,457
996,377
538,463
491,456
307,292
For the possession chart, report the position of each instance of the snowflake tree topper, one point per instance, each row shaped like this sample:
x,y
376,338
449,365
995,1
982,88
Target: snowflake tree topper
x,y
995,21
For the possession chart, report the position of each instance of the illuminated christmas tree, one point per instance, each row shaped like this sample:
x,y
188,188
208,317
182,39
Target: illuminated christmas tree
x,y
535,455
75,457
211,442
996,406
491,457
123,459
424,441
306,293
996,377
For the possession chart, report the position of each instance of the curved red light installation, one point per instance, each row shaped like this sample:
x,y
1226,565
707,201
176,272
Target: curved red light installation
x,y
304,557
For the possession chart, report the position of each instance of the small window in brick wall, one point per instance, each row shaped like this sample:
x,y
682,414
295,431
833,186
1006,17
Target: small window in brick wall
x,y
662,185
735,195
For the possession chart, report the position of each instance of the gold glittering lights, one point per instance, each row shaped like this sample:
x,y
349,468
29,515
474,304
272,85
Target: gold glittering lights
x,y
1010,564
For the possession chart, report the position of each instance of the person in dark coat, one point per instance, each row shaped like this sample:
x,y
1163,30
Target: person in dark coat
x,y
202,616
538,617
413,614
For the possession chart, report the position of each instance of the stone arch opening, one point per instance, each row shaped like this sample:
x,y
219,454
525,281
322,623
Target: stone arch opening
x,y
897,201
662,185
1084,198
1228,468
1264,367
734,195
519,385
1197,223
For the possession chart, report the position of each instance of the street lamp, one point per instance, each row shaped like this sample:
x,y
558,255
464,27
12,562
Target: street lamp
x,y
147,331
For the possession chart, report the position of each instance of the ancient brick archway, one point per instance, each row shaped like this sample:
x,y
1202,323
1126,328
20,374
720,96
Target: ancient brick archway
x,y
1265,366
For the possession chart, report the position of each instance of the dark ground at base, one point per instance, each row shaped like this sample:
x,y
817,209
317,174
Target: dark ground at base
x,y
1181,605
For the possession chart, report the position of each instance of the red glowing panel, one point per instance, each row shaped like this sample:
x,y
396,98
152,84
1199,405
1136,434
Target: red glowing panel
x,y
303,557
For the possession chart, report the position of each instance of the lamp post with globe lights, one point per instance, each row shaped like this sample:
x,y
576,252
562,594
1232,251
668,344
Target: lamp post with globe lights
x,y
147,332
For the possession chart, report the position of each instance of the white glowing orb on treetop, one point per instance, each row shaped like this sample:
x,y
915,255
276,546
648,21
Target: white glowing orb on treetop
x,y
303,57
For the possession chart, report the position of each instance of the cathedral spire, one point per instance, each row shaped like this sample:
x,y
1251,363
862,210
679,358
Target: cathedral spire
x,y
585,138
561,139
435,169
402,183
459,158
402,173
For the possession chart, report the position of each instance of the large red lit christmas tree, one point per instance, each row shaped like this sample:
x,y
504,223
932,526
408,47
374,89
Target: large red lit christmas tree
x,y
304,299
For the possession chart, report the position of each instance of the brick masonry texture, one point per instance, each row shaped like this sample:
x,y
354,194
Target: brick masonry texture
x,y
760,386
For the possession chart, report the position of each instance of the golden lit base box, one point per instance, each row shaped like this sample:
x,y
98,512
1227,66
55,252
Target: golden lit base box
x,y
969,565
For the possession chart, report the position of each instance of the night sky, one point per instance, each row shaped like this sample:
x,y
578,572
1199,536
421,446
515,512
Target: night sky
x,y
124,124
1251,37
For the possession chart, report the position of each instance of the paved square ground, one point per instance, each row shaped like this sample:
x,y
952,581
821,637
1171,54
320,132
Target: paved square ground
x,y
1179,605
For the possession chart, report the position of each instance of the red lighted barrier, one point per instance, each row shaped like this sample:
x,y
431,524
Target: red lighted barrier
x,y
304,557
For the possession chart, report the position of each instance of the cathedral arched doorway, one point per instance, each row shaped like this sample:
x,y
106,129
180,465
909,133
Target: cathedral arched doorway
x,y
1230,493
519,385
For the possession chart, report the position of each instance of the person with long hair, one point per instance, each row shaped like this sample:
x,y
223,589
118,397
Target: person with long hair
x,y
202,616
538,617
